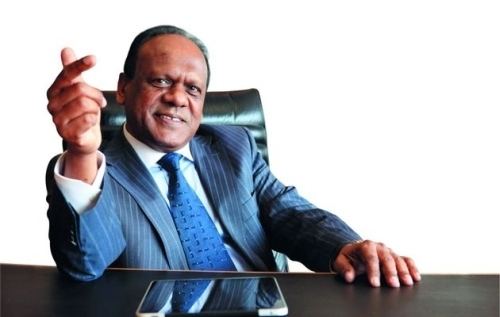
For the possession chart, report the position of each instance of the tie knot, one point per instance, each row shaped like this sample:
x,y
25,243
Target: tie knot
x,y
170,161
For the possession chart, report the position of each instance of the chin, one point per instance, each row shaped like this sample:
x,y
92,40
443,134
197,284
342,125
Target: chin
x,y
171,145
167,140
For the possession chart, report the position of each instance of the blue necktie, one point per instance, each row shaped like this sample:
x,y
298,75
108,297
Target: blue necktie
x,y
200,240
186,293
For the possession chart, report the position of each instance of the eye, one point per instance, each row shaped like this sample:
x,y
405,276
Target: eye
x,y
193,90
161,82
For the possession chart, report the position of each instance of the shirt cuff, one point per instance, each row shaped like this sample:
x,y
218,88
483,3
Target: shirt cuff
x,y
80,195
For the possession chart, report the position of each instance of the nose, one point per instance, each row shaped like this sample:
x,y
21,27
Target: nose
x,y
175,96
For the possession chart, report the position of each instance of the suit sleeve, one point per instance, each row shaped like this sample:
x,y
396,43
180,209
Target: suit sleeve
x,y
293,225
83,246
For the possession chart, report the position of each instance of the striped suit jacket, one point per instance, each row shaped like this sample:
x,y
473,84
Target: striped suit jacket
x,y
130,225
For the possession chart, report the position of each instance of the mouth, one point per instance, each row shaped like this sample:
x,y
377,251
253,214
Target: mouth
x,y
170,118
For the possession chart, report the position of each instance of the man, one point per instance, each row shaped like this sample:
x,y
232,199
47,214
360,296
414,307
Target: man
x,y
112,208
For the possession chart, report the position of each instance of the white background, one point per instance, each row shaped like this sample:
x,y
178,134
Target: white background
x,y
396,104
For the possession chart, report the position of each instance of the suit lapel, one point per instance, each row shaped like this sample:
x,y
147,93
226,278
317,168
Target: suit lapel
x,y
226,194
125,167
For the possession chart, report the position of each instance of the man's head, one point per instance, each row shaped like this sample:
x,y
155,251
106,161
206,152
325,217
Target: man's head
x,y
163,87
141,38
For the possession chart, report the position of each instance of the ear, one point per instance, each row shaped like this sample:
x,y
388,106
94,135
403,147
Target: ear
x,y
120,90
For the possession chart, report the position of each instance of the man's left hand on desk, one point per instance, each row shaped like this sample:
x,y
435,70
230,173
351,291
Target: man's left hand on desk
x,y
376,260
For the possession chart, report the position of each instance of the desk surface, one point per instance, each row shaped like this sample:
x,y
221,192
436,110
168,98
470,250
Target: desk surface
x,y
42,291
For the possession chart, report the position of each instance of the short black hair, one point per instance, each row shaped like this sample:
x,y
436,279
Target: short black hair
x,y
146,35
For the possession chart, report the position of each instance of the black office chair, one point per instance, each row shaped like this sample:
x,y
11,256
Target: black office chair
x,y
238,107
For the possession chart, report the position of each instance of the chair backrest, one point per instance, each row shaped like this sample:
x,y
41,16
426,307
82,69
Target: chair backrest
x,y
237,107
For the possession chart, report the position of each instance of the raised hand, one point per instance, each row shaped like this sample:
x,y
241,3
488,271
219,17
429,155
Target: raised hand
x,y
75,107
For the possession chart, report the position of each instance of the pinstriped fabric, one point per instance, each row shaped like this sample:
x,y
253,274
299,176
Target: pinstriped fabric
x,y
159,292
290,223
100,245
215,170
83,245
233,293
143,248
130,226
128,171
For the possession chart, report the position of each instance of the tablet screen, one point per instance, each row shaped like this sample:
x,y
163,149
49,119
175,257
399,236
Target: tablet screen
x,y
259,296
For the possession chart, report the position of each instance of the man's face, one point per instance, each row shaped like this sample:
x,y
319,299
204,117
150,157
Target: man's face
x,y
164,100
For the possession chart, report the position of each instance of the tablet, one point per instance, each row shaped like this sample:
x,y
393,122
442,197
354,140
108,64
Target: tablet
x,y
235,296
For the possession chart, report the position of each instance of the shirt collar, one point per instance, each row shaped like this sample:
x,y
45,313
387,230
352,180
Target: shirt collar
x,y
149,156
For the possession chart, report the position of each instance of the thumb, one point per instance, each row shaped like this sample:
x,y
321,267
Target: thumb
x,y
344,267
67,56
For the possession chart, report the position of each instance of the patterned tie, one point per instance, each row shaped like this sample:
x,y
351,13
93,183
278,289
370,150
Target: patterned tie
x,y
186,293
200,240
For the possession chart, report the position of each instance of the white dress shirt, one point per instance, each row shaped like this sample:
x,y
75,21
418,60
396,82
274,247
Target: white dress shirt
x,y
82,196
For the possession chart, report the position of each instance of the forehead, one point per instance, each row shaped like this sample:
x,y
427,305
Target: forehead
x,y
171,48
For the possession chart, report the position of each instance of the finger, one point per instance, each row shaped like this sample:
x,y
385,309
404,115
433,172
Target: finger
x,y
403,272
388,265
69,61
78,134
344,267
74,110
412,268
77,126
84,123
71,71
67,56
369,257
71,93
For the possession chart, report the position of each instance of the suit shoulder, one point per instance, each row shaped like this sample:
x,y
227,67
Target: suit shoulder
x,y
225,133
222,130
236,141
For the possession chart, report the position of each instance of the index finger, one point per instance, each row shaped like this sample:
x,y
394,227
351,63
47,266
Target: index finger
x,y
73,67
369,256
71,72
